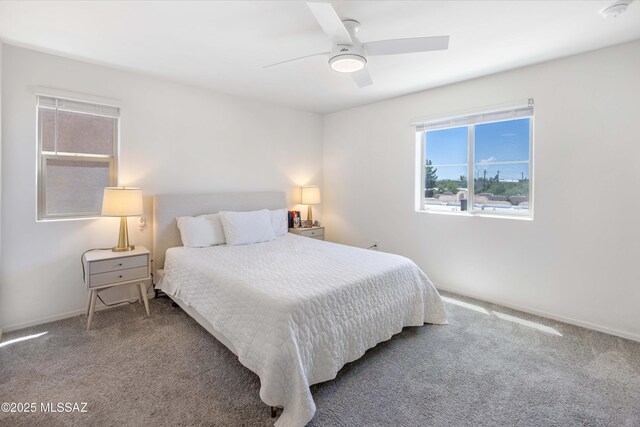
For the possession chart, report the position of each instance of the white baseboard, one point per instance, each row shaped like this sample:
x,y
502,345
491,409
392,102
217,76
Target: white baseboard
x,y
588,325
42,320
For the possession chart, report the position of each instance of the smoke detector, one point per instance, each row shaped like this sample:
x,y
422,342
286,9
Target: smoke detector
x,y
615,9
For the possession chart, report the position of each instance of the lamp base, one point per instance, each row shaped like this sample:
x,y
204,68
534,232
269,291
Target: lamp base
x,y
310,214
124,249
123,238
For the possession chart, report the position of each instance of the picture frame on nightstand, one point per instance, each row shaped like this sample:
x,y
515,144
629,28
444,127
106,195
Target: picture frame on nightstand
x,y
294,219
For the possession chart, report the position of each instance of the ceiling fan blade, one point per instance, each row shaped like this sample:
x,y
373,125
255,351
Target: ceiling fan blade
x,y
295,59
330,22
417,44
362,77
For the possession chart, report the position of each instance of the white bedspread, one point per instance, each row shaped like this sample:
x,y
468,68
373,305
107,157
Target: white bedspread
x,y
297,309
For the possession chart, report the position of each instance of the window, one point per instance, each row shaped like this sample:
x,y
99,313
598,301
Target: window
x,y
77,149
479,163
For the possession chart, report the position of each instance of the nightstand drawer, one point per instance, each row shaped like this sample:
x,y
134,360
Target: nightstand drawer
x,y
312,232
113,277
115,264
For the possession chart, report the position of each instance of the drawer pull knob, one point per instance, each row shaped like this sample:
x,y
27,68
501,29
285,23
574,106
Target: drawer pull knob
x,y
120,265
120,276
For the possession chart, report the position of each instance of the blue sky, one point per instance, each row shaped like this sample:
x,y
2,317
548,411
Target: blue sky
x,y
494,142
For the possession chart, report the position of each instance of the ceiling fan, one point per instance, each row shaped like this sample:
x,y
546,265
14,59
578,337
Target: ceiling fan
x,y
349,55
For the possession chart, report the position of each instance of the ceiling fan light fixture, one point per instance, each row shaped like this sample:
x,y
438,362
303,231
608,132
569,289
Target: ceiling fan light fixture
x,y
347,63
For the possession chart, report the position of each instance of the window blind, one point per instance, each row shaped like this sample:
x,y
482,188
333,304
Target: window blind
x,y
497,115
62,104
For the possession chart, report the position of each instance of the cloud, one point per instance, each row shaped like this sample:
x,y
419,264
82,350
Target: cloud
x,y
489,160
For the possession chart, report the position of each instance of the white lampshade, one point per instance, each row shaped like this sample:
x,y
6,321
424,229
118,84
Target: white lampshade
x,y
122,201
309,195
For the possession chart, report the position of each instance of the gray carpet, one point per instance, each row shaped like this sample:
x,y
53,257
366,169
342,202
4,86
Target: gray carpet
x,y
479,370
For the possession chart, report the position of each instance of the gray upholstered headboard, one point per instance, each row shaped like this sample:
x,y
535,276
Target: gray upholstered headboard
x,y
166,207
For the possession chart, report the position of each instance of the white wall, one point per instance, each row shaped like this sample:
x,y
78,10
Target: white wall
x,y
174,138
578,259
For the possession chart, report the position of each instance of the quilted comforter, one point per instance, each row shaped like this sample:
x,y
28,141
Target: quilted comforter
x,y
297,309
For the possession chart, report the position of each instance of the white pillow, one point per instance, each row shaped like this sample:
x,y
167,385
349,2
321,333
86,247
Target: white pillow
x,y
280,221
201,231
241,228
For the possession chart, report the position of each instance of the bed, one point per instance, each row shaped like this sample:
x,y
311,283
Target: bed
x,y
294,310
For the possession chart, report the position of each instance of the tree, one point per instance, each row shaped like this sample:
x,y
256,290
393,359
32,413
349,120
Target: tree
x,y
448,186
430,178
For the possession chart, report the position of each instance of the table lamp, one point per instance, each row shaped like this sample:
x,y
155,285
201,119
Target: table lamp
x,y
122,202
309,196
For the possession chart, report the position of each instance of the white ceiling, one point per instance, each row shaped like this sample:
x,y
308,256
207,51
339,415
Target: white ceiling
x,y
223,45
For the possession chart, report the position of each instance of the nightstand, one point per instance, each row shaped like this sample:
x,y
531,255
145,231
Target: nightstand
x,y
105,269
313,232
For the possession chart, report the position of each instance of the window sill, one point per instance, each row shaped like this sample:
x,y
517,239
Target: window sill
x,y
478,214
79,218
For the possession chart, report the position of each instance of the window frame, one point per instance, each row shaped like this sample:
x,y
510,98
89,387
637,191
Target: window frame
x,y
421,157
44,156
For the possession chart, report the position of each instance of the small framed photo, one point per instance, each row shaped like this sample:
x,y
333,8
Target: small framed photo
x,y
294,219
